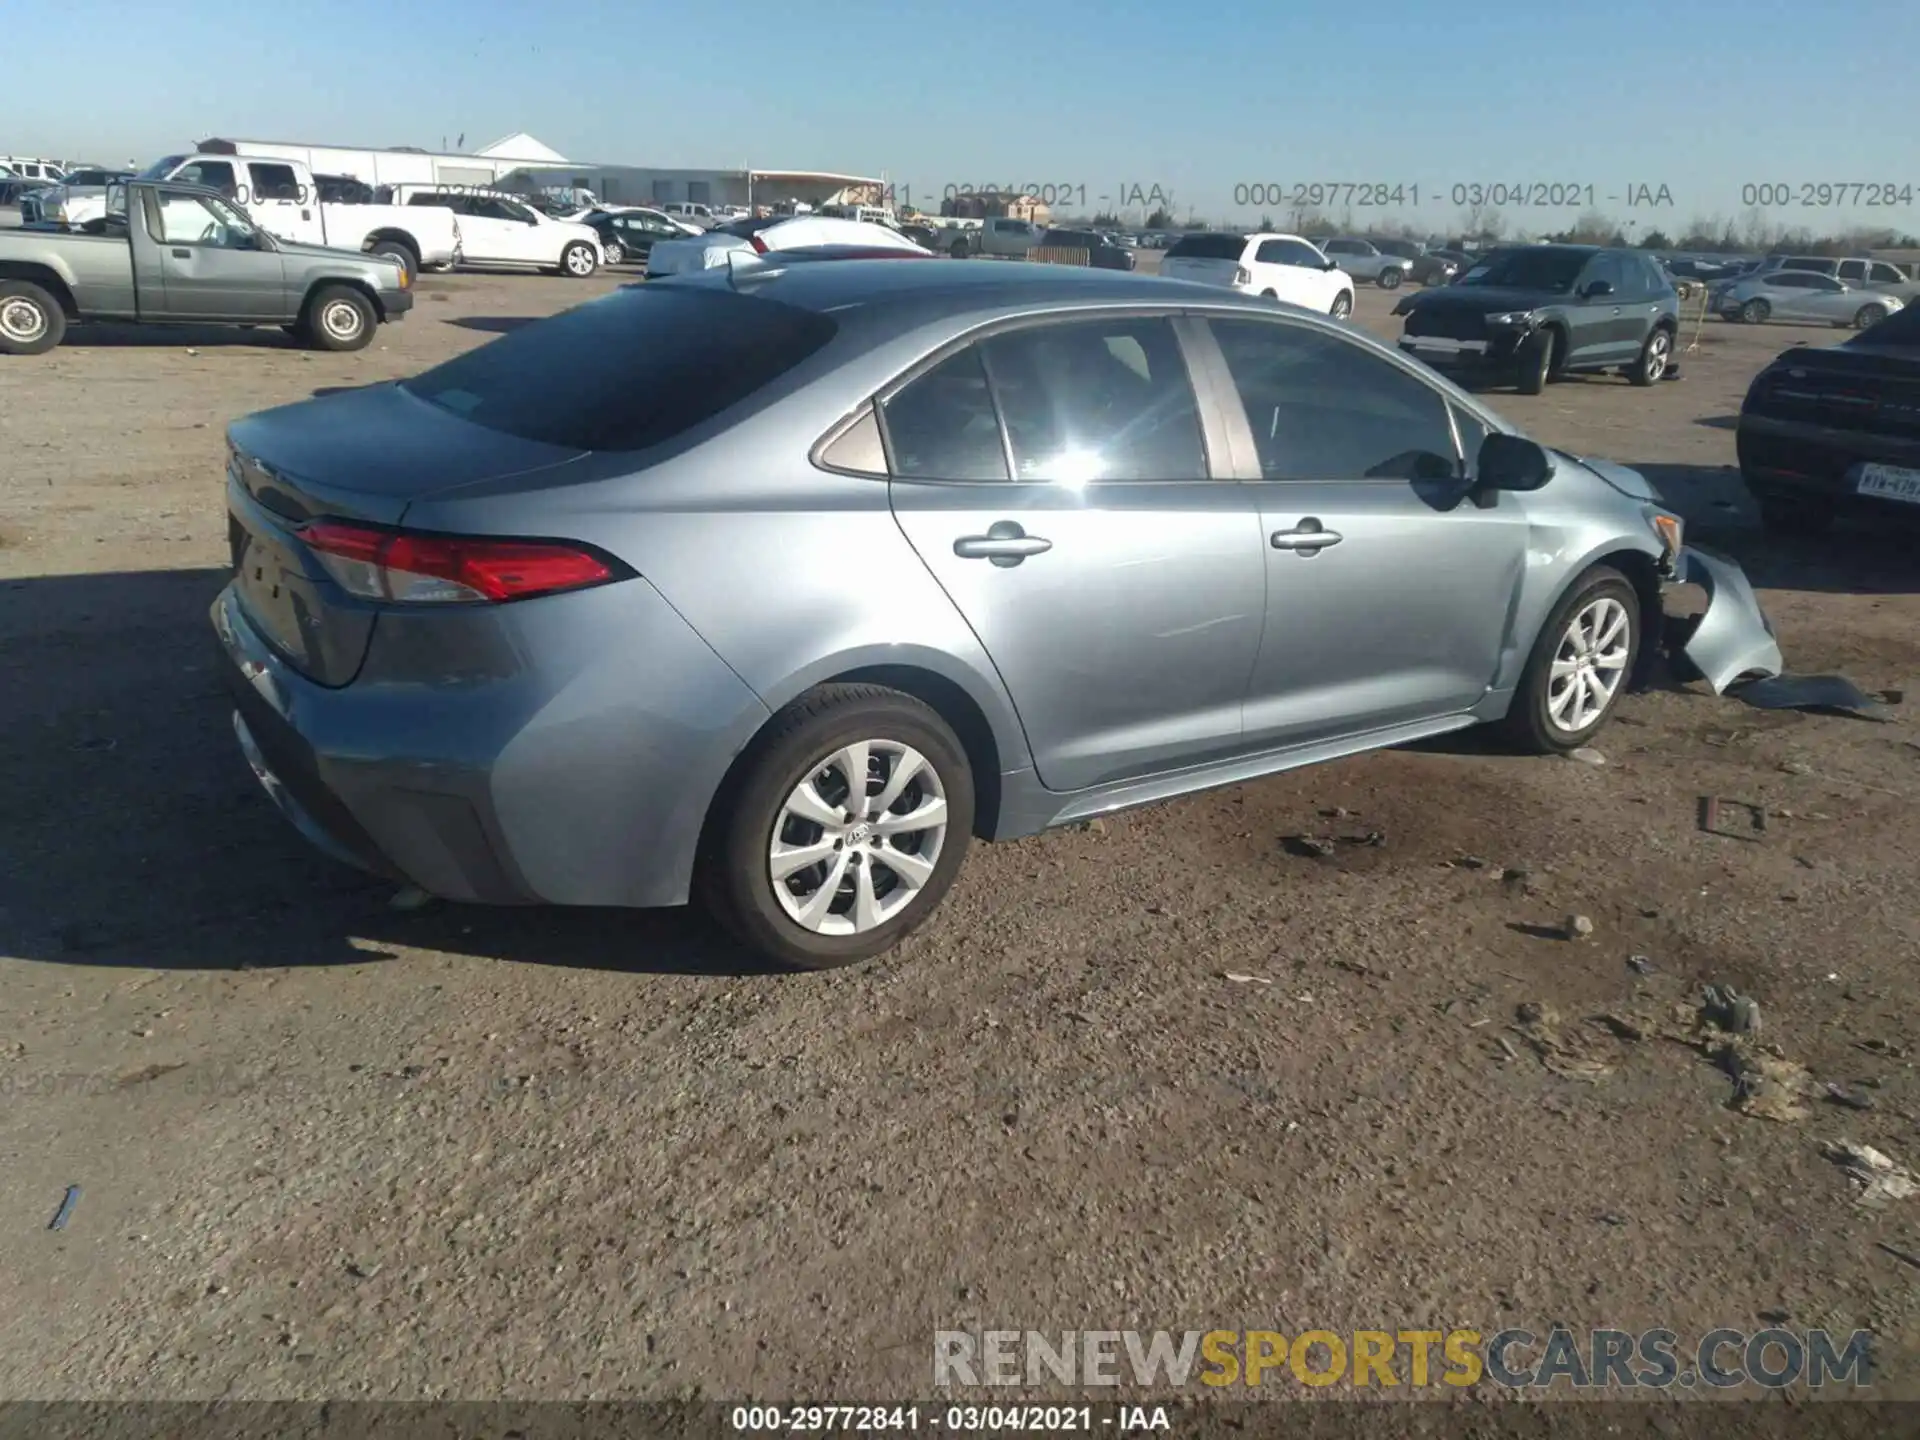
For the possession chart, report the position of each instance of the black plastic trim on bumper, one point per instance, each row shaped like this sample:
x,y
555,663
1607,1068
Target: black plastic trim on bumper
x,y
396,302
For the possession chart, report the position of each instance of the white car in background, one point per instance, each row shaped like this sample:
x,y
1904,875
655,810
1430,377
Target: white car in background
x,y
499,229
1281,267
768,234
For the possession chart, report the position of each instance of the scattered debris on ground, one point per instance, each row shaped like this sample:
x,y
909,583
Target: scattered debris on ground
x,y
1725,1008
1577,927
1641,965
1308,847
1239,979
1714,822
1832,693
1878,1175
1566,1056
1587,755
65,1212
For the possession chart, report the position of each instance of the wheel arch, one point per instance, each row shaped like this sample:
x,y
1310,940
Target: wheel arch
x,y
392,235
989,747
47,278
1643,573
348,282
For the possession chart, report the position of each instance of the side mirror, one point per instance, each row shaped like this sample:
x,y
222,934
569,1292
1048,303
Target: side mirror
x,y
1511,462
1331,265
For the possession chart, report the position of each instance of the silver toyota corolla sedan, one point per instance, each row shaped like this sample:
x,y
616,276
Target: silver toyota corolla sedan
x,y
779,587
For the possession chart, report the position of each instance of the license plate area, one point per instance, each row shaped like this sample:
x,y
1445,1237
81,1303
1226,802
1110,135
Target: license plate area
x,y
1889,482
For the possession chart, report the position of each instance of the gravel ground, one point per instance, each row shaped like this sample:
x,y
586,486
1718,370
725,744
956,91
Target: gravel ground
x,y
328,1148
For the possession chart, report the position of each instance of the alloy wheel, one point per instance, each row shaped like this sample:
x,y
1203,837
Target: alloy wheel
x,y
1589,665
857,837
1658,349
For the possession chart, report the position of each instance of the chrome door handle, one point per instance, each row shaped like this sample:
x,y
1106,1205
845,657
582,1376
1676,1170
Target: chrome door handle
x,y
1308,536
1005,543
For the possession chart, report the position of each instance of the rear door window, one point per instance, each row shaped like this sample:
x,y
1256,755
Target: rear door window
x,y
274,182
1097,400
1854,271
626,372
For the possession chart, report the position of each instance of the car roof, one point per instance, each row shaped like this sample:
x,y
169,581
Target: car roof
x,y
880,284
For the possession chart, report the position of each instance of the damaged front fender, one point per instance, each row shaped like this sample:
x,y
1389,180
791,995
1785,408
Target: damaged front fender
x,y
1733,640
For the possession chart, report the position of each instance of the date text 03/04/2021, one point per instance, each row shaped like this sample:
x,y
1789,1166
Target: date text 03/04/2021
x,y
960,1419
1382,194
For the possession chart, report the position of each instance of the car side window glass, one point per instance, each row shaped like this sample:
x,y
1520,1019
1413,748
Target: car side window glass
x,y
1295,252
943,425
274,182
1097,400
189,220
215,173
858,448
1271,252
1325,408
1885,274
1604,267
1853,270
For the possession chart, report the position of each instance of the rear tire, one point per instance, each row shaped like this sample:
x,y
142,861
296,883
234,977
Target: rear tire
x,y
1390,278
958,250
1869,316
1540,721
1755,312
339,318
796,768
1655,356
31,320
394,250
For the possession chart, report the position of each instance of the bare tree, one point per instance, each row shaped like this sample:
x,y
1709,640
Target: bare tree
x,y
1302,219
1482,222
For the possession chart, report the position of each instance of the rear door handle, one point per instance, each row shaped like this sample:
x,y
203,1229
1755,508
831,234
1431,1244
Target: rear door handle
x,y
1309,536
183,254
1005,543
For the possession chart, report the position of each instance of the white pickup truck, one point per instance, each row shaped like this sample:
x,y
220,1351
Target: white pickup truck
x,y
282,199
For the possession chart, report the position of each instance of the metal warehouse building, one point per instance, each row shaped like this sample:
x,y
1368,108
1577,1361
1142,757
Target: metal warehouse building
x,y
636,185
401,165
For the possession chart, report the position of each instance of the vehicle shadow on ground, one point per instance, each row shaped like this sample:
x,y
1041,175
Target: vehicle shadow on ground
x,y
265,336
136,836
494,324
1861,555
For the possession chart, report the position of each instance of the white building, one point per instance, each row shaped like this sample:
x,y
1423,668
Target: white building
x,y
640,185
402,165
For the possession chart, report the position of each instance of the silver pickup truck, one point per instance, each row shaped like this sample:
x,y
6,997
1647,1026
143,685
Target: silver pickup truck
x,y
170,253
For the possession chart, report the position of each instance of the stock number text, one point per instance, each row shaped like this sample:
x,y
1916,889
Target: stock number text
x,y
850,1418
1364,193
1824,194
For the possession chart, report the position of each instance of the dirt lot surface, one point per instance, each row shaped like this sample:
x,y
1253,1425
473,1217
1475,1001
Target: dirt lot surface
x,y
330,1148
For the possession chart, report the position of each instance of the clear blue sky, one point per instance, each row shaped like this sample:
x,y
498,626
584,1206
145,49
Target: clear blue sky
x,y
1700,95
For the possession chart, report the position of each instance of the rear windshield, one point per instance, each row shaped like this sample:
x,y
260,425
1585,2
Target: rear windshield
x,y
1209,247
626,372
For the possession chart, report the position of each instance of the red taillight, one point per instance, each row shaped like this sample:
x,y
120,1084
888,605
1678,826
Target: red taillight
x,y
759,245
394,565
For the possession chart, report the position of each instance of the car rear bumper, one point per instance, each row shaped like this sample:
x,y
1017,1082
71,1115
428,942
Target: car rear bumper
x,y
1782,459
527,768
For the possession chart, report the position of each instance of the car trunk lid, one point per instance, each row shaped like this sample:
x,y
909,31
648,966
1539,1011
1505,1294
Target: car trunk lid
x,y
365,455
1199,269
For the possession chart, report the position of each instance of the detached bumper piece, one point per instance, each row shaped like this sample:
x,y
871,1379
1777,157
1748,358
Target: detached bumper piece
x,y
1733,640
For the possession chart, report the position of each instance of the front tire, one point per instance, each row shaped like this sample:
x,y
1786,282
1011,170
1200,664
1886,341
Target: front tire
x,y
1342,305
339,318
1580,666
803,862
1655,356
1869,316
578,262
1390,278
31,320
1536,362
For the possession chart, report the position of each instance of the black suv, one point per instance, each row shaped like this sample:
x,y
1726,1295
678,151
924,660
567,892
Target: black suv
x,y
1528,314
